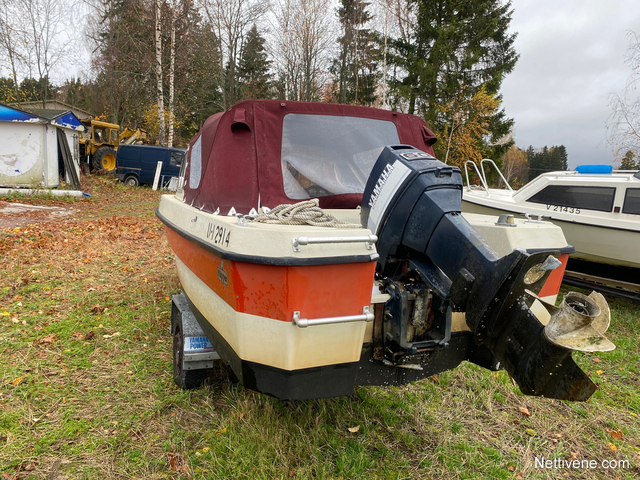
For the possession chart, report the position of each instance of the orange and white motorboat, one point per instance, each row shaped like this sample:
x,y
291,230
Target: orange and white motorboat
x,y
322,246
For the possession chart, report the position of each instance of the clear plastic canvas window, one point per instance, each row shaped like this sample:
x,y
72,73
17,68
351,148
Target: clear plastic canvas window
x,y
195,172
330,155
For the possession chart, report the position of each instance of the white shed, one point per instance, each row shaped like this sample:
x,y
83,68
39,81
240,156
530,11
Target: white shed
x,y
36,151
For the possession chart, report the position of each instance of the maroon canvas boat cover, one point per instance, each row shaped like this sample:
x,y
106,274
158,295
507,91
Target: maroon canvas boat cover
x,y
270,152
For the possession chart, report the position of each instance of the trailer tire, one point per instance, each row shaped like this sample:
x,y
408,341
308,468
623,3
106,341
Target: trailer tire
x,y
104,159
185,379
132,181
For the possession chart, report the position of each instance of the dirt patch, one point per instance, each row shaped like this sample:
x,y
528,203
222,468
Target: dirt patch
x,y
19,214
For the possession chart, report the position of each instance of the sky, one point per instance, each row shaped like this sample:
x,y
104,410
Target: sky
x,y
572,57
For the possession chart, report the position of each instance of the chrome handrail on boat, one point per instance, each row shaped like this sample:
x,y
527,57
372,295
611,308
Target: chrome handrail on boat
x,y
480,176
368,239
366,316
497,169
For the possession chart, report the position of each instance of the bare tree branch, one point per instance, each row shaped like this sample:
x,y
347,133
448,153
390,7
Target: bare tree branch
x,y
623,125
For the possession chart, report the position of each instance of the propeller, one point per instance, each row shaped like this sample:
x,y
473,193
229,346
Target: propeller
x,y
579,323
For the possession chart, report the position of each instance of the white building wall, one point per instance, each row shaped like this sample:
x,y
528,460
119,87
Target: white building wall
x,y
22,154
52,175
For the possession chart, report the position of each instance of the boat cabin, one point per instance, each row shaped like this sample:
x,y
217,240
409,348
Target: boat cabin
x,y
284,152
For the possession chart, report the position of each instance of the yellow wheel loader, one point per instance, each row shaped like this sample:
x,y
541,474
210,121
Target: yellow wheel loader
x,y
99,143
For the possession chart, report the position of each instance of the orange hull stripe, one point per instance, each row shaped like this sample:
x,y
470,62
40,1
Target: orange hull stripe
x,y
552,285
270,291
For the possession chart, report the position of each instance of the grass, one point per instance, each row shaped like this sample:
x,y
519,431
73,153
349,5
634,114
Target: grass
x,y
86,387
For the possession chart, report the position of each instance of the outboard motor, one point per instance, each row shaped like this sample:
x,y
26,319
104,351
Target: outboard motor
x,y
429,252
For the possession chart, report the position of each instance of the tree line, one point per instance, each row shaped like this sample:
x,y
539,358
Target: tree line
x,y
521,166
166,65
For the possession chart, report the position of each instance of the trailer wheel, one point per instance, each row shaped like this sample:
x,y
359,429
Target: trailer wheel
x,y
186,379
104,158
132,181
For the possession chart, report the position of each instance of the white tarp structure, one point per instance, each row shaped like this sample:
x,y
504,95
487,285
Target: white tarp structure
x,y
35,151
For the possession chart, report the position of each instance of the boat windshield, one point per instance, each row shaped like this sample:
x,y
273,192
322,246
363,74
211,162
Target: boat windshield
x,y
330,155
582,197
632,201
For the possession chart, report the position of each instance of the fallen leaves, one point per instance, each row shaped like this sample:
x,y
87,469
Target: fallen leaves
x,y
616,434
355,429
525,411
97,309
177,463
47,339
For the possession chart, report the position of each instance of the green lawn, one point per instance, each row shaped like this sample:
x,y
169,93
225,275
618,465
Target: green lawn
x,y
86,387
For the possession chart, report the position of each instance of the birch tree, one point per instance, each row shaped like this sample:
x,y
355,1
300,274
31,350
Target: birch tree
x,y
623,125
172,71
396,23
515,166
160,93
469,121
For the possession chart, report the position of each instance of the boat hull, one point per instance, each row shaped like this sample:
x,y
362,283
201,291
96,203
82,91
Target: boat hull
x,y
245,302
244,294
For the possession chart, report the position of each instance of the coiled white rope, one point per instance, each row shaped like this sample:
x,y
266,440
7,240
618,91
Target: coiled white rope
x,y
307,212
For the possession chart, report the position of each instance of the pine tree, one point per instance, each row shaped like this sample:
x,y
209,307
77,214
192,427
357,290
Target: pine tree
x,y
254,67
563,157
456,45
31,89
628,162
355,69
8,90
547,160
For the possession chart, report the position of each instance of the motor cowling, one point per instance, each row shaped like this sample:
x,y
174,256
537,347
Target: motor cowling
x,y
412,202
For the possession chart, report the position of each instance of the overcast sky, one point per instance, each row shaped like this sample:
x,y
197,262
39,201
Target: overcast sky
x,y
571,58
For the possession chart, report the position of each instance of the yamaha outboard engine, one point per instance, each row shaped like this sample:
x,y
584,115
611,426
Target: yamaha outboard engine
x,y
430,253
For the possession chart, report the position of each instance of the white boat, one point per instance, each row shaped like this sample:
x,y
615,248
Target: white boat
x,y
396,287
597,208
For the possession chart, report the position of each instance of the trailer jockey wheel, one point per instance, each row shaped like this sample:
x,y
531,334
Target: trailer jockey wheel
x,y
186,379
